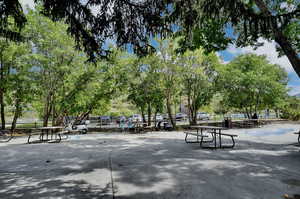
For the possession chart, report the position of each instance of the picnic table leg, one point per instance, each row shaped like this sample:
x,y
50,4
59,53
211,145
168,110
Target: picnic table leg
x,y
220,138
201,141
233,142
52,134
215,132
42,136
185,139
47,133
28,140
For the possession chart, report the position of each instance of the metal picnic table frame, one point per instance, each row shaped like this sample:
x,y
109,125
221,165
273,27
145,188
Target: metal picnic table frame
x,y
215,131
298,133
49,134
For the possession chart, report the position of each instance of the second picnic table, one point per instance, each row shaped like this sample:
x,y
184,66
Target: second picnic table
x,y
49,134
215,131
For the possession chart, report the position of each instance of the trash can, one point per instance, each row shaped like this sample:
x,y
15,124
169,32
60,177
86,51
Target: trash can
x,y
227,122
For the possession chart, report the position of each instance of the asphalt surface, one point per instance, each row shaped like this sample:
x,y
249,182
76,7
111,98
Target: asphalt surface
x,y
152,165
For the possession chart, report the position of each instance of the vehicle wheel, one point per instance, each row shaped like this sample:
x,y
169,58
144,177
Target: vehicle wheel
x,y
84,131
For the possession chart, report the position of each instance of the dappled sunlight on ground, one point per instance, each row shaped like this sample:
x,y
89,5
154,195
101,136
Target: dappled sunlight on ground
x,y
152,165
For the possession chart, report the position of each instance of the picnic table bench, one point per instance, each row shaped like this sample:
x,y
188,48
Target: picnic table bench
x,y
194,134
214,131
298,133
5,135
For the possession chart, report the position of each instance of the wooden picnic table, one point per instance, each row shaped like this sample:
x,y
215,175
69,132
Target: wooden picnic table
x,y
215,131
47,134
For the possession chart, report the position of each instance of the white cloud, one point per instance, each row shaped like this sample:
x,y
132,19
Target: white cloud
x,y
221,59
294,89
29,3
268,49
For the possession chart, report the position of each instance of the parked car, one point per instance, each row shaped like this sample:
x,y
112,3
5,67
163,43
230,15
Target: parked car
x,y
237,116
159,117
121,118
165,116
136,118
74,127
203,116
105,120
181,116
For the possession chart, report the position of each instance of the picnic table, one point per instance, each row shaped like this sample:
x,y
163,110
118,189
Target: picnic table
x,y
298,133
49,134
136,126
214,131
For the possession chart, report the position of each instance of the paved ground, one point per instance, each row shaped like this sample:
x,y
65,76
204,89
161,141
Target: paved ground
x,y
152,165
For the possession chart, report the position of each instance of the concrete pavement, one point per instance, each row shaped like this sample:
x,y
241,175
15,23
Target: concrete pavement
x,y
152,165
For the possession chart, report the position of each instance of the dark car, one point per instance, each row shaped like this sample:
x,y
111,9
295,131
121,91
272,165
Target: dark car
x,y
181,116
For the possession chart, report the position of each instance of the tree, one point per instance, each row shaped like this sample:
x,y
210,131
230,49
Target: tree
x,y
133,22
21,88
170,70
93,22
205,22
290,108
15,82
145,89
3,80
197,85
250,83
66,83
12,19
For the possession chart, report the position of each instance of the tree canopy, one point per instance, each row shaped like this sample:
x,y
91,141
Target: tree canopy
x,y
251,20
250,83
203,22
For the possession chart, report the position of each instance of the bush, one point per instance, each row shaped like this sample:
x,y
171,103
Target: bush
x,y
291,114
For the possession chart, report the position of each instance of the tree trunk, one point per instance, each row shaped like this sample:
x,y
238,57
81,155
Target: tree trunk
x,y
288,50
149,114
18,111
190,109
143,114
281,39
194,117
54,114
155,114
2,105
47,110
169,109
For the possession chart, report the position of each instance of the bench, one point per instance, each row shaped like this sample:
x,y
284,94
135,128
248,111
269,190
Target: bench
x,y
232,138
298,133
5,135
194,134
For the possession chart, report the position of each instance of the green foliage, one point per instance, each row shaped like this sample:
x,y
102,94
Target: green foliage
x,y
291,108
66,84
205,23
145,85
197,83
250,83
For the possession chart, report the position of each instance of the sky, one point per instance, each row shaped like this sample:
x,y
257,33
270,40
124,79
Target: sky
x,y
268,49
